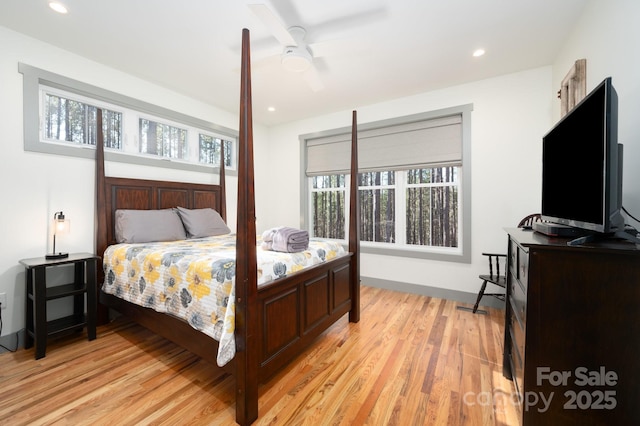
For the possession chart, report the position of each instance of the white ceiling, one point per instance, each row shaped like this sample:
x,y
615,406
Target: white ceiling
x,y
371,50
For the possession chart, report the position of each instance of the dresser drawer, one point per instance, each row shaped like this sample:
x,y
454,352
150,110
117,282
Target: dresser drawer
x,y
519,262
517,361
518,300
523,267
518,331
513,257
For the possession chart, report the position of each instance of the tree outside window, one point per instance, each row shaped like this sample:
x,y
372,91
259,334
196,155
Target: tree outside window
x,y
68,120
210,150
427,198
412,171
162,139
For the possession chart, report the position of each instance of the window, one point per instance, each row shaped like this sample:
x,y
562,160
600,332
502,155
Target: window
x,y
69,120
134,131
377,206
417,207
432,207
209,150
162,139
412,185
328,201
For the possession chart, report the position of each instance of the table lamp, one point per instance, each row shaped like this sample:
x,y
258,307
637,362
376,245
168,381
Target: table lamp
x,y
60,226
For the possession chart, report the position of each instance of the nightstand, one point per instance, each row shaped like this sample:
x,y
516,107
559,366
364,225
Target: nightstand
x,y
38,294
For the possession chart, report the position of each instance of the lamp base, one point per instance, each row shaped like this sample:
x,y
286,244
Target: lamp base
x,y
51,256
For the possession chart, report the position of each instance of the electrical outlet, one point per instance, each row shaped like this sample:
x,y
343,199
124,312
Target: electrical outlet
x,y
3,300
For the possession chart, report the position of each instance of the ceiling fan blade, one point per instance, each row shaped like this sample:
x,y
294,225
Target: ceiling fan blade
x,y
273,23
312,78
350,24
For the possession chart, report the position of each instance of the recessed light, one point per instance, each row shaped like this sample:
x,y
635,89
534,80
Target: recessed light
x,y
479,52
271,109
58,7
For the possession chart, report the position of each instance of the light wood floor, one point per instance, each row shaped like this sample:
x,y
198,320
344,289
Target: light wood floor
x,y
412,360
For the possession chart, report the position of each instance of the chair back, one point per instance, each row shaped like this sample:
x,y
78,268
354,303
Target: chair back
x,y
529,220
494,266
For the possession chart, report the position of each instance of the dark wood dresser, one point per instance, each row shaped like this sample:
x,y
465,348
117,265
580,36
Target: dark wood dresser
x,y
572,330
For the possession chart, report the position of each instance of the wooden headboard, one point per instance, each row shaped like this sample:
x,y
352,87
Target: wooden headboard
x,y
142,194
113,193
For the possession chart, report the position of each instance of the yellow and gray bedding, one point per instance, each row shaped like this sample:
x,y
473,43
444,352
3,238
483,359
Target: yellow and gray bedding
x,y
194,279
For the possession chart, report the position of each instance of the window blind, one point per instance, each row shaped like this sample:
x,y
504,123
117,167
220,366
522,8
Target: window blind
x,y
420,144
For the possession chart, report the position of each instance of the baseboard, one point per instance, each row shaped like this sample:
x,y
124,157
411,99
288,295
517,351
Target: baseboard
x,y
440,293
12,342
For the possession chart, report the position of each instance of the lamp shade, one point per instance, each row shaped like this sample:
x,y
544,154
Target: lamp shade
x,y
61,226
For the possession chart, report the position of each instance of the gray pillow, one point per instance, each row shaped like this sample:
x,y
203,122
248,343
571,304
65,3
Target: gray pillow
x,y
145,226
202,222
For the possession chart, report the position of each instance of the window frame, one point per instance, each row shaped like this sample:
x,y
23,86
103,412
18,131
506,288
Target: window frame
x,y
34,78
461,254
50,91
186,154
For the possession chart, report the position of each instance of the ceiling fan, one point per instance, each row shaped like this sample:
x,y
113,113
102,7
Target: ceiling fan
x,y
296,54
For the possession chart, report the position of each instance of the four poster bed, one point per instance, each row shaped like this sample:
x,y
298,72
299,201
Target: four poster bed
x,y
274,320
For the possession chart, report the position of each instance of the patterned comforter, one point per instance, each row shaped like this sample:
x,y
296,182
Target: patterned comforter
x,y
195,279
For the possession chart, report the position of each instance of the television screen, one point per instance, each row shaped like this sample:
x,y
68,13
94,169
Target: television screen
x,y
581,179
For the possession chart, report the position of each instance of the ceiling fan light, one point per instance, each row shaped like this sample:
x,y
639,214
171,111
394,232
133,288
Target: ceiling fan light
x,y
296,59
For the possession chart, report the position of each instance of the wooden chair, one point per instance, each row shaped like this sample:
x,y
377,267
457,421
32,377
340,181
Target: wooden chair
x,y
528,221
496,276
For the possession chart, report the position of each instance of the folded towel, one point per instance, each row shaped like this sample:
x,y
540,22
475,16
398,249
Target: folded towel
x,y
285,239
267,235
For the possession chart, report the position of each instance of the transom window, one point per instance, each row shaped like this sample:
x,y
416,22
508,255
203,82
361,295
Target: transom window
x,y
68,120
209,149
61,116
162,139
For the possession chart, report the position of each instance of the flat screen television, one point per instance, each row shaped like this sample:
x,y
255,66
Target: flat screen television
x,y
582,166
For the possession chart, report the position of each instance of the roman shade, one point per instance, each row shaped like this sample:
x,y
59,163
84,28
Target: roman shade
x,y
427,143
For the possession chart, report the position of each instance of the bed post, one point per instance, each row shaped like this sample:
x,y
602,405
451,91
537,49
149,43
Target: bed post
x,y
100,213
354,225
246,288
223,185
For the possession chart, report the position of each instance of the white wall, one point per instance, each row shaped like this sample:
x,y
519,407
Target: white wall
x,y
607,37
36,185
510,114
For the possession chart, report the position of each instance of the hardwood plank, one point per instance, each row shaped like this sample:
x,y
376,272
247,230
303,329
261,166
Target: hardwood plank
x,y
411,360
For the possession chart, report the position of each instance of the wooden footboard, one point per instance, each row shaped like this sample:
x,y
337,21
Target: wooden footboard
x,y
294,312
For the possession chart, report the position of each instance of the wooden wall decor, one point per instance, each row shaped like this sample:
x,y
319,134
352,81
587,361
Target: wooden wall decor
x,y
573,87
